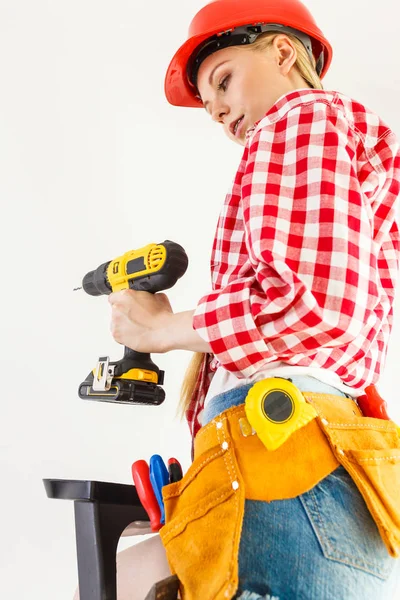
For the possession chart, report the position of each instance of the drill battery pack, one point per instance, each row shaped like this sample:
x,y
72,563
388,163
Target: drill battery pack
x,y
134,379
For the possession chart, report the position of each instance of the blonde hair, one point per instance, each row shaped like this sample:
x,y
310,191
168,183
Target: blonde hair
x,y
303,63
189,382
307,71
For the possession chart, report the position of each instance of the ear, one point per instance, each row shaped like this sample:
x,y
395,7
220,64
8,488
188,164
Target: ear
x,y
286,53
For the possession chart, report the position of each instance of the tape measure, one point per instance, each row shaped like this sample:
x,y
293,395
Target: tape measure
x,y
276,408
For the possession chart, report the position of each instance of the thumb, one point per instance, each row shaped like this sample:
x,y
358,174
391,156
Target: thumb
x,y
164,300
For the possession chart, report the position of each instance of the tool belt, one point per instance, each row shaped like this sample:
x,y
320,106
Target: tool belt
x,y
204,510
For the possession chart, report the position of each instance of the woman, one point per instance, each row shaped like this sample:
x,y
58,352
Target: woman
x,y
303,265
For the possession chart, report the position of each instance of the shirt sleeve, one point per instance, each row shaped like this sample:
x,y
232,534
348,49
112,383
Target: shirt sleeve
x,y
313,282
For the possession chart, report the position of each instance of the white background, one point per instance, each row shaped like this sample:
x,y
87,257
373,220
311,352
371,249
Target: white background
x,y
94,162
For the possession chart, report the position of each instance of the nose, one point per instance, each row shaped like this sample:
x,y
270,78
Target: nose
x,y
220,110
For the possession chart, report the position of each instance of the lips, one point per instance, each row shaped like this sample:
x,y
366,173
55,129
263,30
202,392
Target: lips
x,y
235,125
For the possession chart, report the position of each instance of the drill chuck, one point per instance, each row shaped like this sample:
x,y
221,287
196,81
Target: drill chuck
x,y
95,283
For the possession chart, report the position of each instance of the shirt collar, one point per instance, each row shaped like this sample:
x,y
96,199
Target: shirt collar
x,y
283,105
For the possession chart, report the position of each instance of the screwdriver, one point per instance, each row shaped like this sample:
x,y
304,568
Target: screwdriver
x,y
174,470
159,477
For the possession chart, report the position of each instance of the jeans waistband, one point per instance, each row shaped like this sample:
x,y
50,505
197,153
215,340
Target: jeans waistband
x,y
237,395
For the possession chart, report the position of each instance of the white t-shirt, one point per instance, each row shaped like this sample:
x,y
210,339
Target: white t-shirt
x,y
224,380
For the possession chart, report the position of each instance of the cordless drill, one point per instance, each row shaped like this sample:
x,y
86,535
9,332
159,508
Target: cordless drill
x,y
134,379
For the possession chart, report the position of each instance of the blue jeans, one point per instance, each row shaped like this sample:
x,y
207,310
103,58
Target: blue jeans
x,y
322,545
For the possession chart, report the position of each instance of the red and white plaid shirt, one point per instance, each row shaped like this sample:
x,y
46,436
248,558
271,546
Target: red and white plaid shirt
x,y
306,253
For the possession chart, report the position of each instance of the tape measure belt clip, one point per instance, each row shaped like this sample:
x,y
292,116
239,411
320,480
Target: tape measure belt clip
x,y
276,408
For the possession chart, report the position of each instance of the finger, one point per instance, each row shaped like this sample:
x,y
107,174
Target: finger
x,y
117,296
112,298
120,311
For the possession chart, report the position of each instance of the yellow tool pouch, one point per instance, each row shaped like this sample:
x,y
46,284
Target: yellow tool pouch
x,y
369,449
204,510
204,513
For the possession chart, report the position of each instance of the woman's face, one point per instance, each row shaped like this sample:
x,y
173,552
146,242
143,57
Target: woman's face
x,y
235,83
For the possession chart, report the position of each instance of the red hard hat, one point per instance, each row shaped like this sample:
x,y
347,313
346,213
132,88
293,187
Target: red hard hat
x,y
218,16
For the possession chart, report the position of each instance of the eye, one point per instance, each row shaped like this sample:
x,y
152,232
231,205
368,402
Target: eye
x,y
223,84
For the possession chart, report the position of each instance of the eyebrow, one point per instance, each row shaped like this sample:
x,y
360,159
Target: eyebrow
x,y
211,76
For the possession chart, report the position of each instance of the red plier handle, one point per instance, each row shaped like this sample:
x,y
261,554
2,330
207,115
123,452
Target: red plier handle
x,y
141,478
372,404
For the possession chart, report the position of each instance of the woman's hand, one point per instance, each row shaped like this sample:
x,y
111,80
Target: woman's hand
x,y
146,323
139,320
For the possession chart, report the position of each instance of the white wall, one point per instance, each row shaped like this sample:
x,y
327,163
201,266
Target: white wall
x,y
93,162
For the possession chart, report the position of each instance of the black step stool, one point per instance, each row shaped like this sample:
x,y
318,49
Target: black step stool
x,y
102,512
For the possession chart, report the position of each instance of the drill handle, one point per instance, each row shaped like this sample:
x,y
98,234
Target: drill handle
x,y
137,360
130,354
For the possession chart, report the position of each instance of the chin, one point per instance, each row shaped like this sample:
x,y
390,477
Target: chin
x,y
240,141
